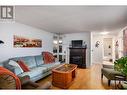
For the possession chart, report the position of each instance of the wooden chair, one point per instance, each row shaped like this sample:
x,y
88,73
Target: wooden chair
x,y
8,80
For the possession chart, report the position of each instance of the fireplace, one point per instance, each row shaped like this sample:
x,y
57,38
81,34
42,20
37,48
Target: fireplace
x,y
76,60
78,56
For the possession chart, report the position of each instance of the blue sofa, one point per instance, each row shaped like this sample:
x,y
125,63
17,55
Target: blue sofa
x,y
36,64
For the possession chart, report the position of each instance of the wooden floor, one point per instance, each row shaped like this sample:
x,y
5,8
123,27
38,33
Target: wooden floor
x,y
86,79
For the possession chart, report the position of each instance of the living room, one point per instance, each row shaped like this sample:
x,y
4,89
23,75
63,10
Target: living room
x,y
58,31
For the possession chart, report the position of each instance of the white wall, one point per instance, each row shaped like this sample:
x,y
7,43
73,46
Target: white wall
x,y
77,36
7,30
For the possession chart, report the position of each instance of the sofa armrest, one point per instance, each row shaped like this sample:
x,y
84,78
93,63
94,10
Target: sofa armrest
x,y
9,67
13,69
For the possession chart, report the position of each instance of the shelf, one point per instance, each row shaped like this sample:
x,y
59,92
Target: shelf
x,y
59,53
58,47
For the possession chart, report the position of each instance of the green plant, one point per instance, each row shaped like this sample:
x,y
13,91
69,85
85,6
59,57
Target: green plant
x,y
121,65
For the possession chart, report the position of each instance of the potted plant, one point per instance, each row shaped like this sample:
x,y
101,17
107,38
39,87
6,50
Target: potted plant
x,y
121,65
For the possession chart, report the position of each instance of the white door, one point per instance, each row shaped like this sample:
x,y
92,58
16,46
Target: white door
x,y
96,49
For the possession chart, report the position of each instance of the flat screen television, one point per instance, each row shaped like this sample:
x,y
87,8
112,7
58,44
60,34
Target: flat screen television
x,y
77,43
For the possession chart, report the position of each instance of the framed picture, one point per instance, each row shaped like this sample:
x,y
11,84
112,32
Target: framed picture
x,y
22,42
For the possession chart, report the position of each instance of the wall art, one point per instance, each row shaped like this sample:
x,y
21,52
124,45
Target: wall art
x,y
22,42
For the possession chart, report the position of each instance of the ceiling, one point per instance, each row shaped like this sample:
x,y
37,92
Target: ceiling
x,y
71,19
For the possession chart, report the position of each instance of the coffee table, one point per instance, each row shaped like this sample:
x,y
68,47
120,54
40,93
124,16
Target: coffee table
x,y
63,75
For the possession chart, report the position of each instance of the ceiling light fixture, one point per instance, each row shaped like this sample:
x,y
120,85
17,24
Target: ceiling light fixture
x,y
104,33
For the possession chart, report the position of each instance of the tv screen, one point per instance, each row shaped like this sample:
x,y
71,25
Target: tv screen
x,y
77,43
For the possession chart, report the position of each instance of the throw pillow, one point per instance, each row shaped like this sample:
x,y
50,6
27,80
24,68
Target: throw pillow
x,y
23,66
48,57
15,64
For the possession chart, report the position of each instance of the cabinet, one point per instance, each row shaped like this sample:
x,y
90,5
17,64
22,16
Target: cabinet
x,y
78,56
58,48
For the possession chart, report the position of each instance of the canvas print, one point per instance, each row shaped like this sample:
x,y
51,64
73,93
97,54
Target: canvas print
x,y
21,42
125,42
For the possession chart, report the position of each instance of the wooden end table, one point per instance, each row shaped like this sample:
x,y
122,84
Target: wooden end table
x,y
64,75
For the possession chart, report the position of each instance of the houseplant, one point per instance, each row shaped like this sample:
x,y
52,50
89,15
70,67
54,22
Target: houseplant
x,y
121,65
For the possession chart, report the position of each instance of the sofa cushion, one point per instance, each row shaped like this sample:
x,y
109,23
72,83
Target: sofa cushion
x,y
39,60
15,64
23,66
51,66
34,72
29,60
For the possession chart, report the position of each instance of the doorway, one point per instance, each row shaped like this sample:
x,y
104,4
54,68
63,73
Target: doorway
x,y
102,49
107,49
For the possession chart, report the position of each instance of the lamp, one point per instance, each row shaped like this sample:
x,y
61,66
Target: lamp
x,y
1,42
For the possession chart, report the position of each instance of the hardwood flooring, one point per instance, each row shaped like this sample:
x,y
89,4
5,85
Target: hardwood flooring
x,y
89,78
